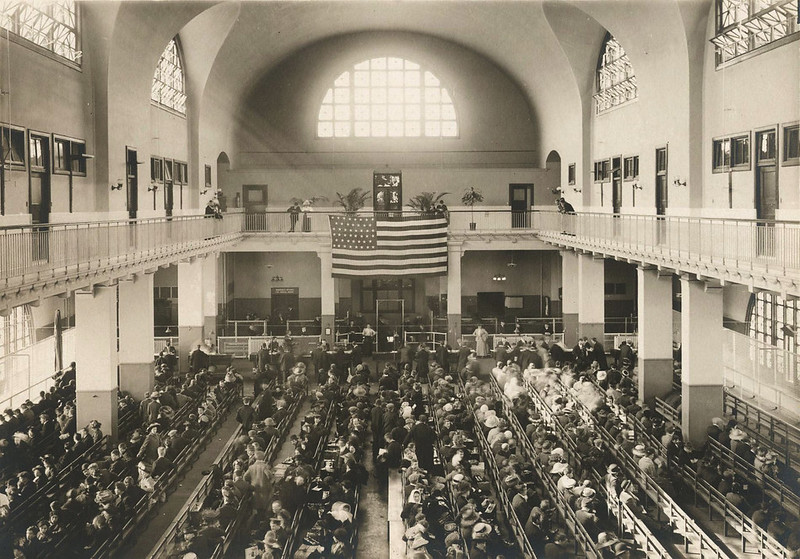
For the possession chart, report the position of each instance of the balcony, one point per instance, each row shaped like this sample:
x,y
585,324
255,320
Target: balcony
x,y
42,261
45,260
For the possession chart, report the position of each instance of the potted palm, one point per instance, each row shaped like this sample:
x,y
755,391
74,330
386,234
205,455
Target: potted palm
x,y
470,198
353,200
425,202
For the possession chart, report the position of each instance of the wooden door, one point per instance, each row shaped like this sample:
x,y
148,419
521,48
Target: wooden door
x,y
766,195
39,156
169,185
254,198
491,303
132,182
616,184
661,181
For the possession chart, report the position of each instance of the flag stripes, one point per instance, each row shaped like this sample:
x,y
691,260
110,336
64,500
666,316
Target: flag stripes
x,y
376,246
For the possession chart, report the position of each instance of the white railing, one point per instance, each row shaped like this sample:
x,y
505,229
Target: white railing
x,y
753,368
36,252
25,373
748,245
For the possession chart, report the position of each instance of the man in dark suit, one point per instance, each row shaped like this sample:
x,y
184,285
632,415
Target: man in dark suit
x,y
598,354
463,355
198,360
421,359
424,439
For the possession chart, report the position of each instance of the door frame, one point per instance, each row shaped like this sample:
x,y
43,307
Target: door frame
x,y
616,183
132,196
47,174
528,187
756,167
264,189
666,178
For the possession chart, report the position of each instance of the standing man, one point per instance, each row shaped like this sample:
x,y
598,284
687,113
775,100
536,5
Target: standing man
x,y
294,215
369,340
424,440
422,358
463,355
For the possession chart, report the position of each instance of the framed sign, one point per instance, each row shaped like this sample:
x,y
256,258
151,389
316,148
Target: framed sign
x,y
387,191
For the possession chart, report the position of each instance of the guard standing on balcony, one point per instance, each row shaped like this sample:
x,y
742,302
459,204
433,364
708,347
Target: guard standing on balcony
x,y
294,214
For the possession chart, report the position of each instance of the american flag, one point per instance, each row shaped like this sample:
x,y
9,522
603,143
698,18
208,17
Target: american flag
x,y
375,246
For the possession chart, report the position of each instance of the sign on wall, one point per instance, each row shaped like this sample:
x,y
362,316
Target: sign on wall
x,y
387,191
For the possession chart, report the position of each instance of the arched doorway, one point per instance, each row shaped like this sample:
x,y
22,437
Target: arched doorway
x,y
223,194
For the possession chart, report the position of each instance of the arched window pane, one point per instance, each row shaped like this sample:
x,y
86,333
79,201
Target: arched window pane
x,y
385,97
616,80
169,86
52,25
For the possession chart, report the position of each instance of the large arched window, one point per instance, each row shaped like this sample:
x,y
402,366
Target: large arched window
x,y
387,97
774,320
52,25
16,330
169,83
616,81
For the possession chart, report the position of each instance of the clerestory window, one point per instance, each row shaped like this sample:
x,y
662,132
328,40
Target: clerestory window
x,y
50,24
387,97
169,82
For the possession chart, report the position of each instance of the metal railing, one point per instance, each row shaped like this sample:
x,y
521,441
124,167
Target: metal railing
x,y
36,252
753,245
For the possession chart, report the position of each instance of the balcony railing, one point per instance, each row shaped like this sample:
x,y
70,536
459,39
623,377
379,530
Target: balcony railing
x,y
41,252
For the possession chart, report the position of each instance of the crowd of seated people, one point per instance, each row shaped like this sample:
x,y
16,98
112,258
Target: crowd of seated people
x,y
92,505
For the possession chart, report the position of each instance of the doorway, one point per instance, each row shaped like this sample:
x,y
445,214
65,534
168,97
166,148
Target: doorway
x,y
132,182
39,156
616,184
169,185
491,304
661,194
520,198
284,304
254,198
766,195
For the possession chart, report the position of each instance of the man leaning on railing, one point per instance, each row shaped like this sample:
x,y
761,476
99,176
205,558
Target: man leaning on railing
x,y
565,208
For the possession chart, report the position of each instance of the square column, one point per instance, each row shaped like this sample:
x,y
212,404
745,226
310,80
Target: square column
x,y
654,295
701,349
96,358
569,296
136,373
591,296
327,296
191,310
454,254
210,287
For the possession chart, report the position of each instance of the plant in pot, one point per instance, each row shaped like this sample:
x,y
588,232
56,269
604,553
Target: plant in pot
x,y
425,202
470,198
353,200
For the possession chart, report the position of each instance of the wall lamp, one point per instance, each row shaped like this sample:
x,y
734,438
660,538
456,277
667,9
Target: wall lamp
x,y
152,188
277,278
117,186
679,182
577,189
498,277
637,186
203,192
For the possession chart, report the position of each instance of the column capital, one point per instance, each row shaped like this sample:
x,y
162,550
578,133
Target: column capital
x,y
455,247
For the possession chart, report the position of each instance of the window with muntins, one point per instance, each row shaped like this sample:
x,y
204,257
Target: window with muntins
x,y
774,320
387,97
616,81
631,168
16,330
791,144
744,26
169,83
49,24
731,154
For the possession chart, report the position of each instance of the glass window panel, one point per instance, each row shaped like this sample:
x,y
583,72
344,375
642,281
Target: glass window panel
x,y
433,129
341,129
325,129
378,64
396,129
395,95
361,129
341,112
395,112
411,65
378,95
413,129
168,80
326,112
433,112
378,78
362,112
412,95
362,65
396,78
430,79
433,95
395,63
378,112
361,95
445,96
412,78
448,112
328,97
615,78
413,112
378,129
341,95
361,79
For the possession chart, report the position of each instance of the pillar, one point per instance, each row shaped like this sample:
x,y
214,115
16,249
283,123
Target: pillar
x,y
191,310
210,287
569,296
327,296
454,255
591,296
655,334
96,358
701,349
136,374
